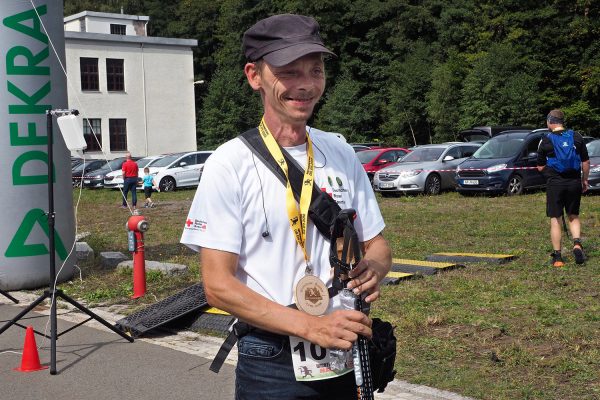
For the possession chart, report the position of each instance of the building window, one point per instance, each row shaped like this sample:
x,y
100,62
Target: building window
x,y
82,27
118,134
92,133
115,75
89,73
117,29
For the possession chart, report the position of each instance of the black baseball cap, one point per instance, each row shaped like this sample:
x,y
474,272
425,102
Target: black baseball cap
x,y
281,39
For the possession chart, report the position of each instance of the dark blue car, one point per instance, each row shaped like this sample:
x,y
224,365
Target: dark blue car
x,y
504,164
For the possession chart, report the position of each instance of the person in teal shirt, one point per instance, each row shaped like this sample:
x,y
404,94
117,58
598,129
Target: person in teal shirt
x,y
148,183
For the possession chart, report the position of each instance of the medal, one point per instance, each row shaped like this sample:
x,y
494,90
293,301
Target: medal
x,y
311,295
310,292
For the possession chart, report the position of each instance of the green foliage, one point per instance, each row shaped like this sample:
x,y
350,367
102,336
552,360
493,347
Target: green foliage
x,y
405,70
445,96
500,89
346,111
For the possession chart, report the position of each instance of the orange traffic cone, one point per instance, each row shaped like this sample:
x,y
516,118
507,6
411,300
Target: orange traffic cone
x,y
30,360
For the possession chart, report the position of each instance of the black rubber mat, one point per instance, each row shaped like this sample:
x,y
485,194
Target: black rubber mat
x,y
394,278
190,300
421,267
203,321
471,257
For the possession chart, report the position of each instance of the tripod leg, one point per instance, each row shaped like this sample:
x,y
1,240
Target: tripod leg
x,y
25,311
5,294
94,316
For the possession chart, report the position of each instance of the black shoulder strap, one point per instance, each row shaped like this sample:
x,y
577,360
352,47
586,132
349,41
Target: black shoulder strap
x,y
323,209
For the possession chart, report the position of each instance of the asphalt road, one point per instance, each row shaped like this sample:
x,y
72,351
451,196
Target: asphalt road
x,y
96,364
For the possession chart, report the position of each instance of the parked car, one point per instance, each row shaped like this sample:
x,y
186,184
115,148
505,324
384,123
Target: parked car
x,y
75,161
80,170
484,133
114,179
375,159
95,179
593,149
428,169
587,139
359,147
178,170
504,164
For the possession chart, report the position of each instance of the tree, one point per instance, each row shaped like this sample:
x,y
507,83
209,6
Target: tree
x,y
500,89
444,98
405,115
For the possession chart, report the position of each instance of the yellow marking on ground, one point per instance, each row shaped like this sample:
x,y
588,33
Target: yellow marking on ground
x,y
432,264
474,255
393,274
213,310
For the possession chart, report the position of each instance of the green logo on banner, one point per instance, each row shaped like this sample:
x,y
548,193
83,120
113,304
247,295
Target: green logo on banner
x,y
18,247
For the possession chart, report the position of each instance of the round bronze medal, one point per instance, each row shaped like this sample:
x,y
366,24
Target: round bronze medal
x,y
311,295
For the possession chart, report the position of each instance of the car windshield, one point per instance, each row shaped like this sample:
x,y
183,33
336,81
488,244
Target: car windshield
x,y
423,154
114,164
499,147
367,155
86,165
142,162
165,161
593,148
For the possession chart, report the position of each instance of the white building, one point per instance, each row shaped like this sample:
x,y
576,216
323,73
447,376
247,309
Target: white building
x,y
136,91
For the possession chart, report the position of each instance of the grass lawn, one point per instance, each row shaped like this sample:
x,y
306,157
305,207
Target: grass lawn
x,y
520,330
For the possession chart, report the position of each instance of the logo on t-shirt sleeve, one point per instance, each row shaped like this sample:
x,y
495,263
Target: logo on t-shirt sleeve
x,y
195,225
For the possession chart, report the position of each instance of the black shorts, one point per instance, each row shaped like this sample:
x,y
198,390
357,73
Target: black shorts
x,y
563,197
148,191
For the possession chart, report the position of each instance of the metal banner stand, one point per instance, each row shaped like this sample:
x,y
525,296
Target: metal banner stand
x,y
8,296
52,293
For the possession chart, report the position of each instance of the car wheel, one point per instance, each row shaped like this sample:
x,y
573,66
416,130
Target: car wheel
x,y
515,186
433,184
167,184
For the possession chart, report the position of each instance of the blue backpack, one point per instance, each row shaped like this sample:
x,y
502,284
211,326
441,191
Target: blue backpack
x,y
565,153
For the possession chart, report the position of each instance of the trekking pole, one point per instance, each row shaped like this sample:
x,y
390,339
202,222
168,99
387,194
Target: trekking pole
x,y
348,261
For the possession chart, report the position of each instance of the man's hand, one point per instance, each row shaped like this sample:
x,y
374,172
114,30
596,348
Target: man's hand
x,y
585,186
365,279
338,330
368,273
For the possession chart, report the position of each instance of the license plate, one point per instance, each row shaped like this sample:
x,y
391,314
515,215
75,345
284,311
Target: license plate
x,y
86,182
470,182
386,185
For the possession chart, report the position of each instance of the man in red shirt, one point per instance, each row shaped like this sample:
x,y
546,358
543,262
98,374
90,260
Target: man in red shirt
x,y
130,178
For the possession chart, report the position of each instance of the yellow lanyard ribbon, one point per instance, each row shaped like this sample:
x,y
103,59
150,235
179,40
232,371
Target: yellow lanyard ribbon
x,y
298,218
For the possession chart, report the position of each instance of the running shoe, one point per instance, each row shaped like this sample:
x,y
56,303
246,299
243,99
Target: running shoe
x,y
579,254
557,260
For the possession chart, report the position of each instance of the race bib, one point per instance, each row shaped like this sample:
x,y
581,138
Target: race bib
x,y
314,363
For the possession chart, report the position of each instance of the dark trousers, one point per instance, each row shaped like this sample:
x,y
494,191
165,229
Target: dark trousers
x,y
130,184
264,371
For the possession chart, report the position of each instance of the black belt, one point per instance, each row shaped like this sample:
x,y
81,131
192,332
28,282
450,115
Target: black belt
x,y
241,329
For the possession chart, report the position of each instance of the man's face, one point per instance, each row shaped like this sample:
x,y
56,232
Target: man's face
x,y
292,91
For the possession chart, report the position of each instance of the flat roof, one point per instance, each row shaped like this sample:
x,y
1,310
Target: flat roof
x,y
105,15
105,37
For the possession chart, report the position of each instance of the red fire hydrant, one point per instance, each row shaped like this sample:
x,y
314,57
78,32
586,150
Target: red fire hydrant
x,y
136,226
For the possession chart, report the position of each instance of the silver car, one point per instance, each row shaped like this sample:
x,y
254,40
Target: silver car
x,y
427,169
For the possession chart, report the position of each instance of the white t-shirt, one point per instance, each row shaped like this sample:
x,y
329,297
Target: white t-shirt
x,y
228,213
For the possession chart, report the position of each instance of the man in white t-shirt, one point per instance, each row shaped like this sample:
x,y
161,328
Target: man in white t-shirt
x,y
255,242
